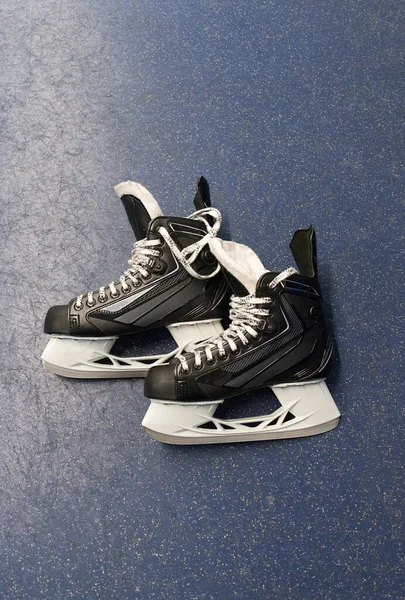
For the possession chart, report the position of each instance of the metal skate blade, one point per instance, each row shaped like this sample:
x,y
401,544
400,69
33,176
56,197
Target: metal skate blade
x,y
91,374
305,409
241,437
92,358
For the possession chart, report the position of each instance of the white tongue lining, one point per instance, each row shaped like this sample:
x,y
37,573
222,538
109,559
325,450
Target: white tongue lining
x,y
132,188
240,261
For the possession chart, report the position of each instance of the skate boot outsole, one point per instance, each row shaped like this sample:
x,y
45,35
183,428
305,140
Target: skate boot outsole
x,y
90,358
306,409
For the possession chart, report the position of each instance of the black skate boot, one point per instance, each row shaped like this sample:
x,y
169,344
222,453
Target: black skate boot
x,y
173,281
278,337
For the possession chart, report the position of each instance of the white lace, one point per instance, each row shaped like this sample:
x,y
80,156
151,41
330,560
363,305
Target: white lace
x,y
246,317
190,253
143,251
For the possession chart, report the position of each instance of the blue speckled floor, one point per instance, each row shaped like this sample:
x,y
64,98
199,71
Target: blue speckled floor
x,y
293,111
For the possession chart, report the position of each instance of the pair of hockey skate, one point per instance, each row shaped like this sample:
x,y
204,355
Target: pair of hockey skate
x,y
181,276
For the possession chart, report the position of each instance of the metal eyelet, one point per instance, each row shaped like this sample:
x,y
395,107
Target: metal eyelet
x,y
90,304
78,306
270,300
148,276
211,362
158,267
102,298
185,371
115,295
126,290
223,356
235,352
137,282
208,257
198,367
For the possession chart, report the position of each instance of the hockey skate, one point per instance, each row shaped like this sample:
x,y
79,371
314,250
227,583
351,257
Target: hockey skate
x,y
277,338
173,281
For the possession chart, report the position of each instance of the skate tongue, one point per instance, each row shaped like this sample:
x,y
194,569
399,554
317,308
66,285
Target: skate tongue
x,y
140,206
202,198
242,267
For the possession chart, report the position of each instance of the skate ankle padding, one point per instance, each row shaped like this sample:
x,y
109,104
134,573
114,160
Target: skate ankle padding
x,y
241,266
303,248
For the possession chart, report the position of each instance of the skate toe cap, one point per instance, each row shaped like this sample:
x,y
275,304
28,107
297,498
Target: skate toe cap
x,y
57,320
160,383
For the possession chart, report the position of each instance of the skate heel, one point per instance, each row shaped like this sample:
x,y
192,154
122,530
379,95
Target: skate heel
x,y
310,407
186,334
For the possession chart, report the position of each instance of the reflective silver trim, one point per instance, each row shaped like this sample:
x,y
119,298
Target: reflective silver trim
x,y
126,301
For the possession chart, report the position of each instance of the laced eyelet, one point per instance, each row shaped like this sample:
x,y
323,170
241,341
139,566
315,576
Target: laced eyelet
x,y
102,298
115,295
126,290
270,299
186,370
148,276
158,267
78,306
137,282
223,356
198,367
211,362
248,345
90,304
235,352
